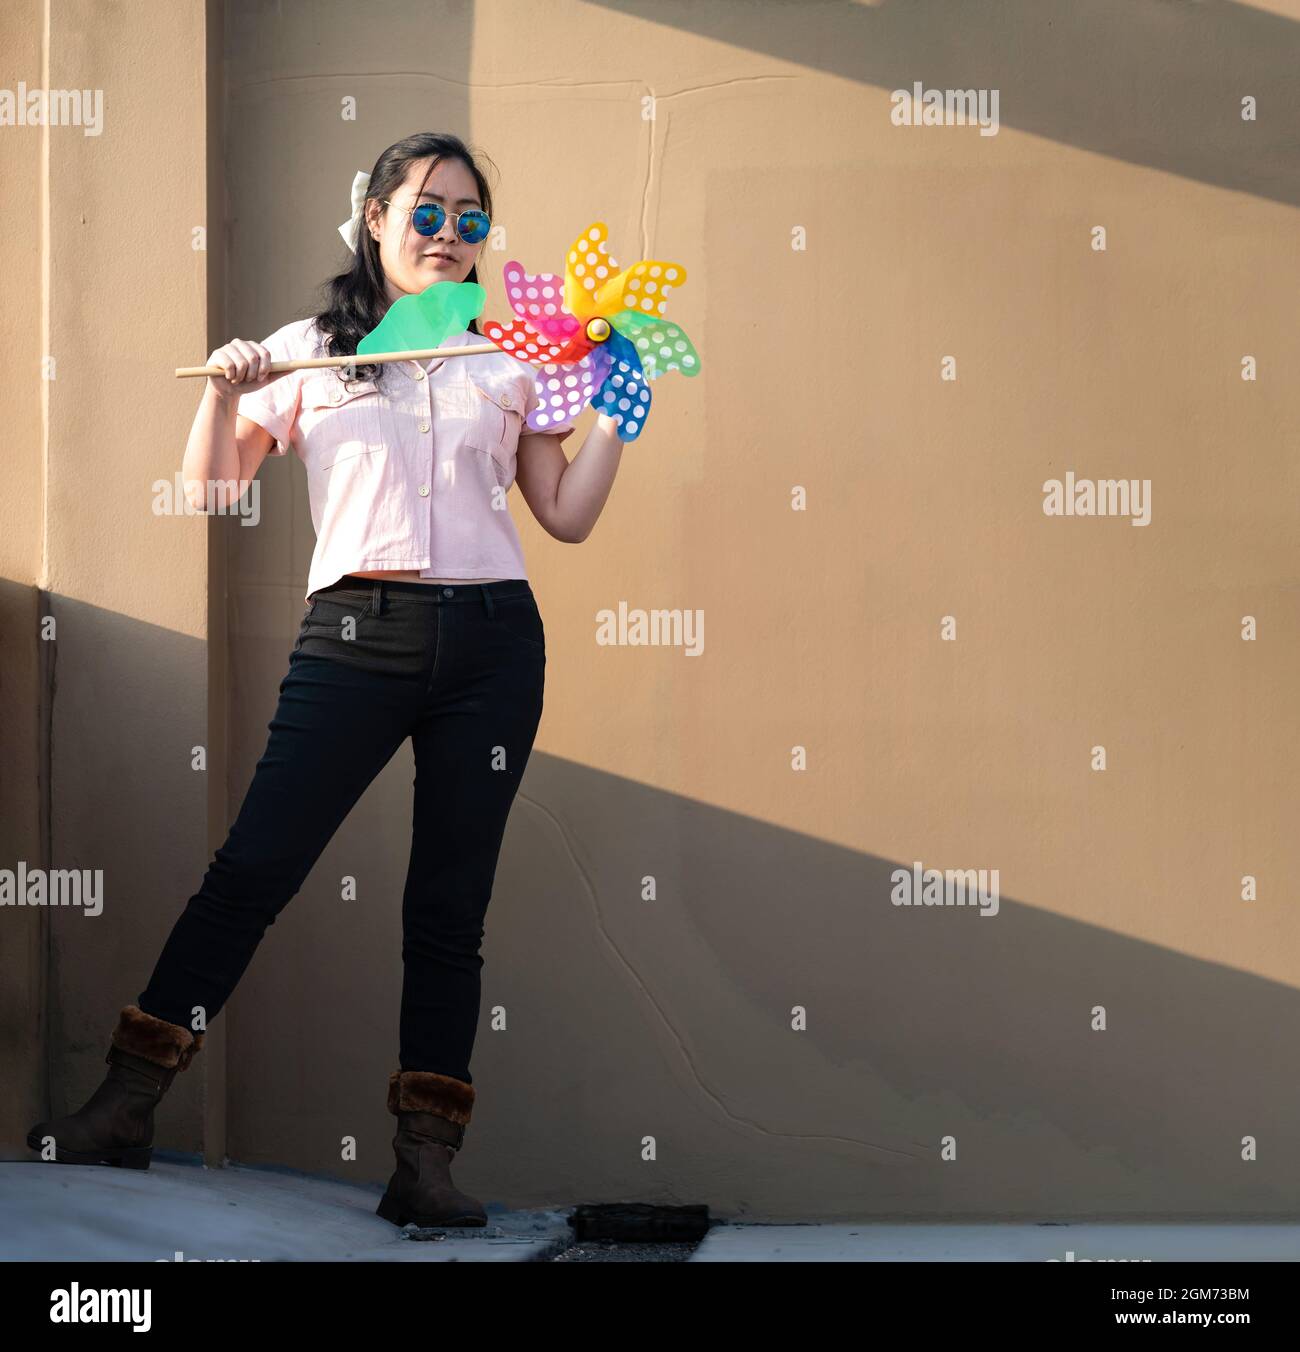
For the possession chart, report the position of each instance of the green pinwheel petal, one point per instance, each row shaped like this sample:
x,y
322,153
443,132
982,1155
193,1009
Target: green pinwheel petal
x,y
660,345
426,320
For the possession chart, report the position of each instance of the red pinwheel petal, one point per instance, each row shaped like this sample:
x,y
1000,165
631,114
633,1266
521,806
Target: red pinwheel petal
x,y
520,340
575,349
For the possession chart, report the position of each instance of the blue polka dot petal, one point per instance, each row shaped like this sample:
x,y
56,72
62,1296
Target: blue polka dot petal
x,y
625,397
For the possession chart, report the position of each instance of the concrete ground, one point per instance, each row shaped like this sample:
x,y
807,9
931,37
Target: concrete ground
x,y
71,1212
934,1243
90,1212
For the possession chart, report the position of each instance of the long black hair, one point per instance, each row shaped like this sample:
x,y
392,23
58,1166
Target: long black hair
x,y
355,301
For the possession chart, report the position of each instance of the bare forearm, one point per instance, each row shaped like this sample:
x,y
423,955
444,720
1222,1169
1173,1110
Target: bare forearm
x,y
584,486
211,455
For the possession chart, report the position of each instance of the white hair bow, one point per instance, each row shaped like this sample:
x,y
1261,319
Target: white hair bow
x,y
351,228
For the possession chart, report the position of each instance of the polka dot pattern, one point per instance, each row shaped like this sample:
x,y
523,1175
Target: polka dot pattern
x,y
660,346
563,390
539,300
520,341
644,287
587,269
625,397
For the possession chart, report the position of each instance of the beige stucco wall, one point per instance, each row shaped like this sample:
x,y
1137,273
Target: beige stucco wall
x,y
24,935
98,239
678,1018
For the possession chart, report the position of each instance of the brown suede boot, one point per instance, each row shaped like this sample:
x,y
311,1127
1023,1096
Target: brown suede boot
x,y
115,1126
432,1113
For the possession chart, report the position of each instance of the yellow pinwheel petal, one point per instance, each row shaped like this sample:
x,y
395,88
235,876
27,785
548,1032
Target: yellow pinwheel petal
x,y
588,266
643,287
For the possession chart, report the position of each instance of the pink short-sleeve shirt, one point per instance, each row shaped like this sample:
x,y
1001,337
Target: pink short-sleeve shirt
x,y
410,475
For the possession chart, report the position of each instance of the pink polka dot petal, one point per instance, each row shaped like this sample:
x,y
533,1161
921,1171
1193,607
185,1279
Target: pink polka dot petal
x,y
538,299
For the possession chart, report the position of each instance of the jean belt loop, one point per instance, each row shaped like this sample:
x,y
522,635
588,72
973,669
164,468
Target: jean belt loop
x,y
377,597
487,600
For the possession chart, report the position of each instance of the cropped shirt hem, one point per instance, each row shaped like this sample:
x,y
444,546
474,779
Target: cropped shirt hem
x,y
422,566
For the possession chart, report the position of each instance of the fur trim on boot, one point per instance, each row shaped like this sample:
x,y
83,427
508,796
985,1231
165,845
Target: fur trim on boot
x,y
425,1091
165,1044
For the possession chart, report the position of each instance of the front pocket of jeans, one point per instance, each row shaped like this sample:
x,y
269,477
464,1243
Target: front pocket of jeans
x,y
519,617
328,615
398,641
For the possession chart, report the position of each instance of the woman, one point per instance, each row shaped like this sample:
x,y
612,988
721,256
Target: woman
x,y
420,623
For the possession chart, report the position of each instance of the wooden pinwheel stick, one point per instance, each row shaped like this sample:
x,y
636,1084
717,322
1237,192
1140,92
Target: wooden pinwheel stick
x,y
307,363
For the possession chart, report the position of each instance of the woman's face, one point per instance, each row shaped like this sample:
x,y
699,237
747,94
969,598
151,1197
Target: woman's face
x,y
412,261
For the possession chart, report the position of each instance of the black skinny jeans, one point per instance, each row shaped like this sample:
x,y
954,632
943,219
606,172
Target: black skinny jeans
x,y
459,669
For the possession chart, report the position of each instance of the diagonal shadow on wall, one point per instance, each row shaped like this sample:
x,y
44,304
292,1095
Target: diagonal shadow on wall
x,y
1155,82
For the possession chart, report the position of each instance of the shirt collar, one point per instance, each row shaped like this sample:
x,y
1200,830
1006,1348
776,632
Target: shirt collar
x,y
463,339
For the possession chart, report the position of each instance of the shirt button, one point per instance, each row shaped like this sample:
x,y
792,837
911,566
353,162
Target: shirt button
x,y
335,396
424,427
423,490
507,401
419,375
446,591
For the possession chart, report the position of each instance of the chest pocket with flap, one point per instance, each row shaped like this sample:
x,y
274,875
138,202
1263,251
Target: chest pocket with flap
x,y
338,421
497,422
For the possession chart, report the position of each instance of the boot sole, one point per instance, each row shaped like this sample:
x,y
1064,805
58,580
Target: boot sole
x,y
395,1212
121,1157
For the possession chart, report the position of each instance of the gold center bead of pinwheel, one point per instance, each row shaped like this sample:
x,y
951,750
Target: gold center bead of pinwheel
x,y
597,330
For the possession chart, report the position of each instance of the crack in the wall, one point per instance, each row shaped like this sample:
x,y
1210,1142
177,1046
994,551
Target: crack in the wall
x,y
613,947
651,165
652,161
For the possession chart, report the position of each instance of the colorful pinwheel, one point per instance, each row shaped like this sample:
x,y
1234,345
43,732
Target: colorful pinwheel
x,y
597,336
